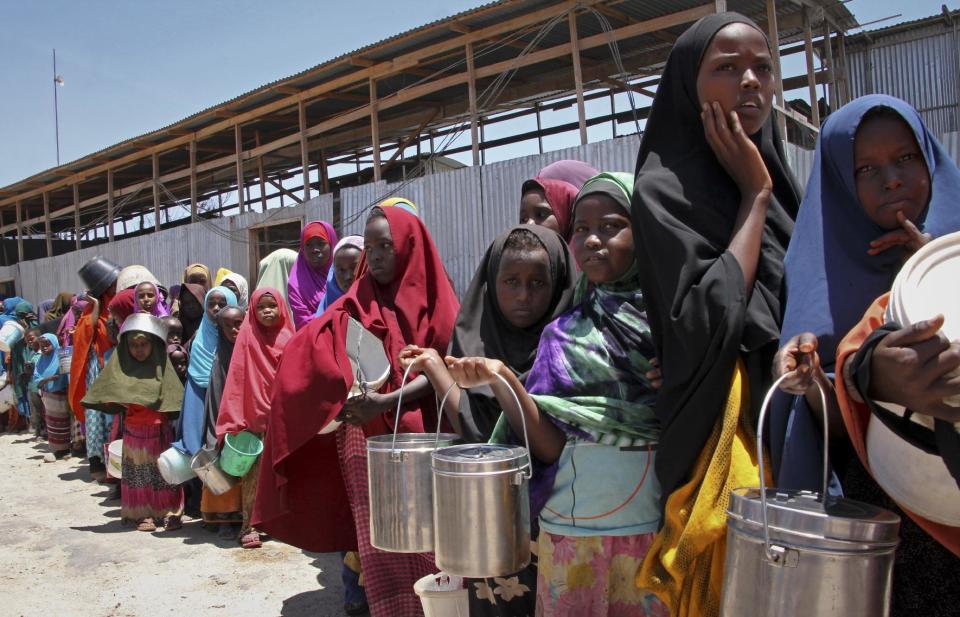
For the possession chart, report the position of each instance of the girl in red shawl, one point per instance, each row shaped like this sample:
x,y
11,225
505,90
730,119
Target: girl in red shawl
x,y
548,198
313,489
246,395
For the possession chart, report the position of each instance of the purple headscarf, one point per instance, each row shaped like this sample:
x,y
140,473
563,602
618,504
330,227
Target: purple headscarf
x,y
307,286
573,172
159,308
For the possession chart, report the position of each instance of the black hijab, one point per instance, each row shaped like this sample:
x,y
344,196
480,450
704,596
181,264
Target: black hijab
x,y
684,209
482,330
218,379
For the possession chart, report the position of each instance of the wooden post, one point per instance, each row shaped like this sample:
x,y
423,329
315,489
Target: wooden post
x,y
304,149
46,223
375,130
483,152
842,72
774,36
472,97
156,192
613,115
19,233
110,205
238,143
324,173
830,65
76,214
811,76
193,181
577,75
263,182
536,108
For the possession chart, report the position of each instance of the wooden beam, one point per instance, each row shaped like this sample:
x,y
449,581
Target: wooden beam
x,y
284,191
324,175
238,144
110,205
193,181
472,98
811,79
304,149
829,66
361,61
76,215
286,89
46,223
577,75
156,191
774,35
19,232
260,175
375,130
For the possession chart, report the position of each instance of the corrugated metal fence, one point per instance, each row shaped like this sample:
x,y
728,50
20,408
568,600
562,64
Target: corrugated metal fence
x,y
464,210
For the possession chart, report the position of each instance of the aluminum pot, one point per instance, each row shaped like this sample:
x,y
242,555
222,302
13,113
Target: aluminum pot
x,y
482,507
204,464
793,553
401,487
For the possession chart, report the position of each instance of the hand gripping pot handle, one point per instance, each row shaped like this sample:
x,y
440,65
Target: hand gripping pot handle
x,y
527,468
772,555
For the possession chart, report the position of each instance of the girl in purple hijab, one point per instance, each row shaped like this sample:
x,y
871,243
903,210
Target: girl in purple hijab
x,y
307,284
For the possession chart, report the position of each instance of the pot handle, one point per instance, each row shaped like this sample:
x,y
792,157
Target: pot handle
x,y
771,555
528,468
396,421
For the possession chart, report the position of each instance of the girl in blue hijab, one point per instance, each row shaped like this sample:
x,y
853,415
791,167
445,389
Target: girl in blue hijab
x,y
868,206
202,348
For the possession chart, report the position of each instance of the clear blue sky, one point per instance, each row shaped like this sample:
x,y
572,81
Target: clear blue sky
x,y
131,67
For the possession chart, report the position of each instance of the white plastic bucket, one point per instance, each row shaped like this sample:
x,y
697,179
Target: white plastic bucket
x,y
115,459
442,596
10,335
174,466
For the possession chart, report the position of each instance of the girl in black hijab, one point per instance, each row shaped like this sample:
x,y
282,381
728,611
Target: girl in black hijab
x,y
713,209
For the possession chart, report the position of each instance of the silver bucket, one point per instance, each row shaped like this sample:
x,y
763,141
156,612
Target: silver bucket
x,y
204,464
482,507
795,553
401,487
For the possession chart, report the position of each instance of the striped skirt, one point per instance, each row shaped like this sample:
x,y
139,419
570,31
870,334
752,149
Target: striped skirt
x,y
59,420
144,491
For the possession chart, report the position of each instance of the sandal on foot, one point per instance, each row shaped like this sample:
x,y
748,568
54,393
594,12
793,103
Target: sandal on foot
x,y
173,523
251,539
146,524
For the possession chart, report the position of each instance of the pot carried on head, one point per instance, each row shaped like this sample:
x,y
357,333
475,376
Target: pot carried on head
x,y
482,507
799,553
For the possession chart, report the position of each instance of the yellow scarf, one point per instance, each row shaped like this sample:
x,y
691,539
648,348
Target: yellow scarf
x,y
684,566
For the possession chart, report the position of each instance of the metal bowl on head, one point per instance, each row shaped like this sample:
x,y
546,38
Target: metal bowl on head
x,y
145,322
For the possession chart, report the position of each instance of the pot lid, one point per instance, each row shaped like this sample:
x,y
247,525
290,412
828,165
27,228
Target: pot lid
x,y
480,458
801,513
926,285
410,441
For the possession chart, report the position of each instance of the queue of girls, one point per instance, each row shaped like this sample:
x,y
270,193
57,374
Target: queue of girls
x,y
639,317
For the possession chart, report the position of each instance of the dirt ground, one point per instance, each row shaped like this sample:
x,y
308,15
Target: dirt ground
x,y
63,551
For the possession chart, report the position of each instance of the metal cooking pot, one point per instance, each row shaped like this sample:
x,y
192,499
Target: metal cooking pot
x,y
482,508
145,322
204,464
798,553
401,487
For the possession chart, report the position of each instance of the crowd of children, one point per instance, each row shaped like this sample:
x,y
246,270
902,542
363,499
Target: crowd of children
x,y
639,318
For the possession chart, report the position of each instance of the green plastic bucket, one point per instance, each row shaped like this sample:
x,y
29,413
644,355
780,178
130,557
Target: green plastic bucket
x,y
239,453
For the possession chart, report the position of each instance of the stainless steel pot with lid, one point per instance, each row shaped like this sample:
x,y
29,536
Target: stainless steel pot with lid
x,y
798,553
482,508
401,487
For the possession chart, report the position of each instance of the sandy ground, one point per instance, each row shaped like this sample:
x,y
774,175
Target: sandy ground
x,y
63,551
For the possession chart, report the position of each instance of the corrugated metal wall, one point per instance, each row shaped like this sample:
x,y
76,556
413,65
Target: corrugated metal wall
x,y
919,66
464,210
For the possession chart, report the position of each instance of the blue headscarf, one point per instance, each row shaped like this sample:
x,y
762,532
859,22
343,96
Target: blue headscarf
x,y
49,366
10,309
831,280
204,345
